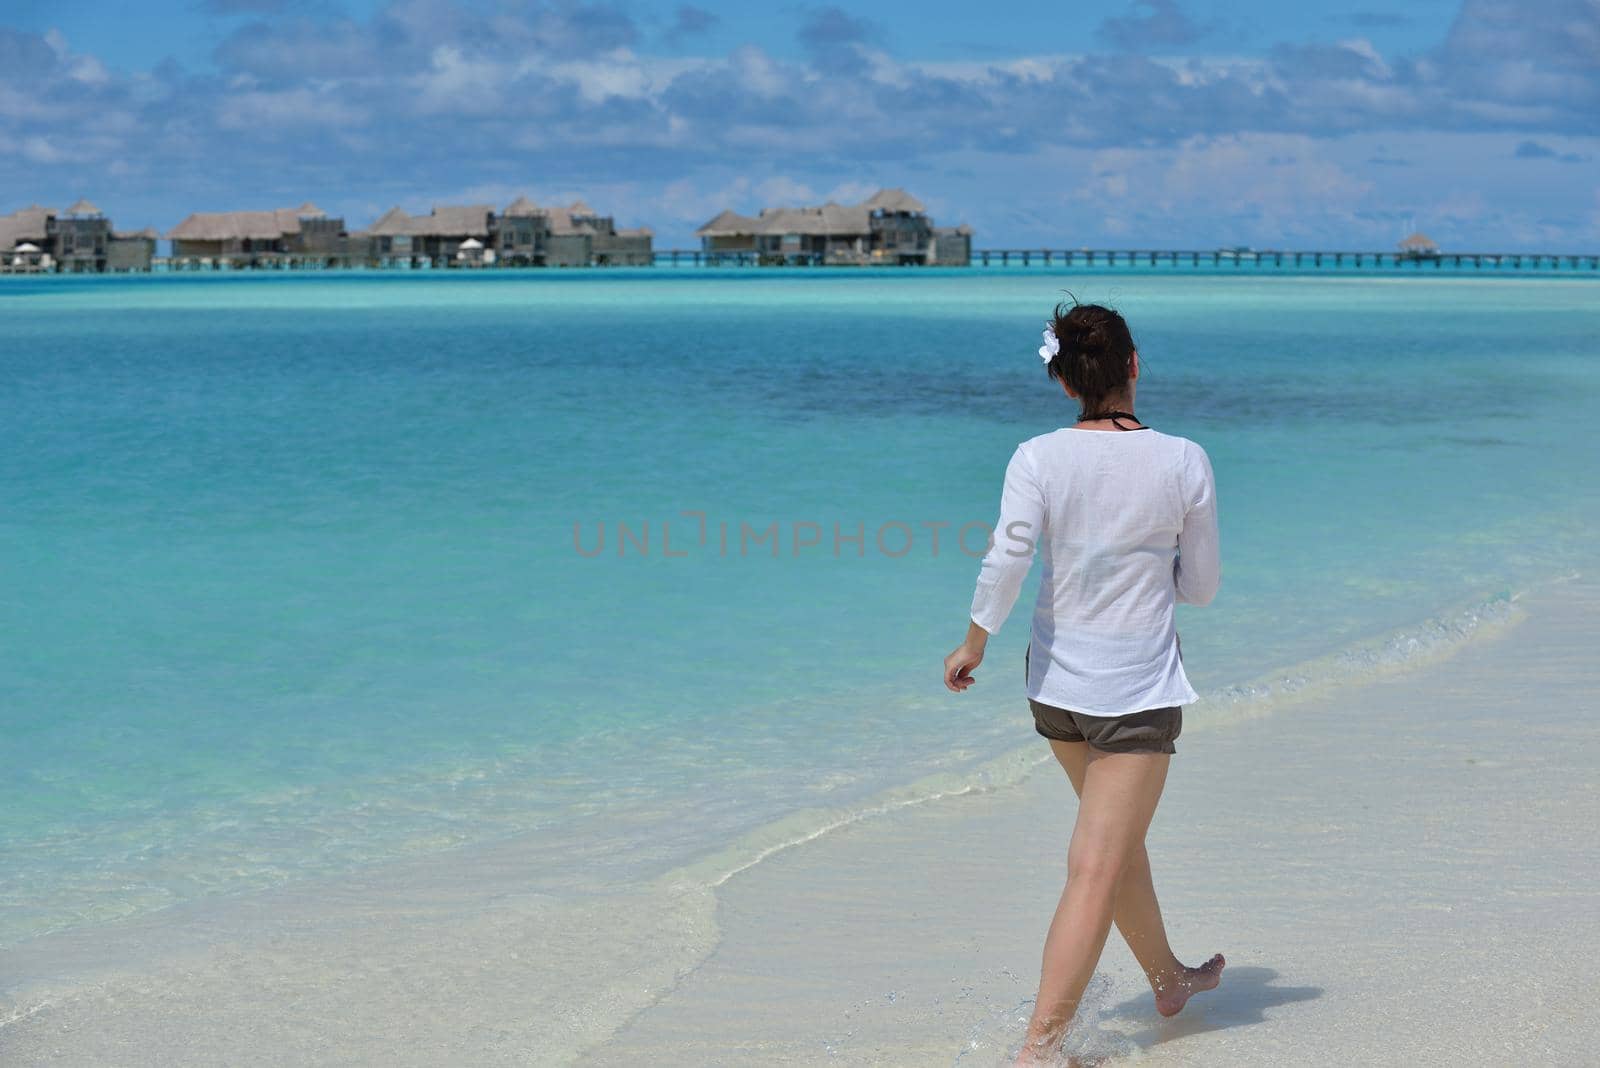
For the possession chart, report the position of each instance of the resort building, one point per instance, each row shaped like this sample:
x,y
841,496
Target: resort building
x,y
283,237
567,237
523,235
889,227
78,240
399,237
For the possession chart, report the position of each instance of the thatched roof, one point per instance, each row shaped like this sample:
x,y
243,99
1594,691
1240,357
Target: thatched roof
x,y
521,206
448,220
23,225
827,221
729,224
309,210
561,221
128,235
83,207
226,225
1419,242
451,219
393,221
578,207
893,200
785,221
569,221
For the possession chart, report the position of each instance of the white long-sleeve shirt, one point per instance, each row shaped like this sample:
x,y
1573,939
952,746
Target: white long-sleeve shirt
x,y
1126,524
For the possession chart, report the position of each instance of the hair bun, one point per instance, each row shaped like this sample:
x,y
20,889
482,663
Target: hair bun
x,y
1096,354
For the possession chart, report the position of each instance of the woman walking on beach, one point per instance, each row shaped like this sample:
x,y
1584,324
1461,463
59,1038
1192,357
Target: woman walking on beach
x,y
1125,520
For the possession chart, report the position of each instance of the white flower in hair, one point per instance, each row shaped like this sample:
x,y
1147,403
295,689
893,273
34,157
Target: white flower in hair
x,y
1051,345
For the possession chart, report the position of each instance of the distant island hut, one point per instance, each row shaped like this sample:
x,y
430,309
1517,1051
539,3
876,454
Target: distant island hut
x,y
891,226
1419,246
435,237
240,238
730,232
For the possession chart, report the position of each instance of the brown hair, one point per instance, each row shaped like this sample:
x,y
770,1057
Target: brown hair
x,y
1096,352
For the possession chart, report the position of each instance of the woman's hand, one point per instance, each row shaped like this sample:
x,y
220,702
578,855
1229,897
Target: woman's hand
x,y
959,665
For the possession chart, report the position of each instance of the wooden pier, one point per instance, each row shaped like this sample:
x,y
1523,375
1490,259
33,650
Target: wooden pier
x,y
1027,257
1238,258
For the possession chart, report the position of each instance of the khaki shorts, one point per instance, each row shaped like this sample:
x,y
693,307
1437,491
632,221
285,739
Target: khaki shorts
x,y
1152,730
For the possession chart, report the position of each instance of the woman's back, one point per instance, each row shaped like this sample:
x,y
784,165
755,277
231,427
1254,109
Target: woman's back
x,y
1125,525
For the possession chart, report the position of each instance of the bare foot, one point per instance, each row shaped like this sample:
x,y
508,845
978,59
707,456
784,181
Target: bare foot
x,y
1172,995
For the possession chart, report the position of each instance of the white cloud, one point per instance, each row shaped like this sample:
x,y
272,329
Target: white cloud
x,y
284,108
785,192
459,84
57,42
41,150
597,80
757,72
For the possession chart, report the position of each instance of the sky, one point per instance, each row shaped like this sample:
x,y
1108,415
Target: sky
x,y
1107,123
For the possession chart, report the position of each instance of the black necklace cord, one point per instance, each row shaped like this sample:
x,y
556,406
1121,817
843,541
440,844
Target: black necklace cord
x,y
1089,417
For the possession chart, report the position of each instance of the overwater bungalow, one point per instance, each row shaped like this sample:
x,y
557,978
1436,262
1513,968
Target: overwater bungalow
x,y
434,239
282,237
523,235
82,238
889,227
78,240
571,236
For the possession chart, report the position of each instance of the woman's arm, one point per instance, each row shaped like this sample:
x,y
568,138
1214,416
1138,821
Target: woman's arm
x,y
1005,566
1197,572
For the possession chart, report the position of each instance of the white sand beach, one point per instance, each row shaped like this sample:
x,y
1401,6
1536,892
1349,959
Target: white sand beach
x,y
1405,872
1399,872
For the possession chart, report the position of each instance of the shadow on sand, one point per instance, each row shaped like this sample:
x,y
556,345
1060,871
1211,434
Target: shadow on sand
x,y
1243,998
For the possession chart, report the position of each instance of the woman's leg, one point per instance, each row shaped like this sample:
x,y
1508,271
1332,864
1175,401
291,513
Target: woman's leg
x,y
1138,914
1118,800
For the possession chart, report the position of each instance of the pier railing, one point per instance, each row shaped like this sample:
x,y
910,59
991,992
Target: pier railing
x,y
1087,257
1281,258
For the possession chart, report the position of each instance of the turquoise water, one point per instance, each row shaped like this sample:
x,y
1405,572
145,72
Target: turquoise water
x,y
299,575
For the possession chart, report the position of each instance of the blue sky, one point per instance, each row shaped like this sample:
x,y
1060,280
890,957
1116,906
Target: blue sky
x,y
1126,123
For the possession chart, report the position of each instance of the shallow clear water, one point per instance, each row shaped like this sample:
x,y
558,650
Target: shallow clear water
x,y
298,572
